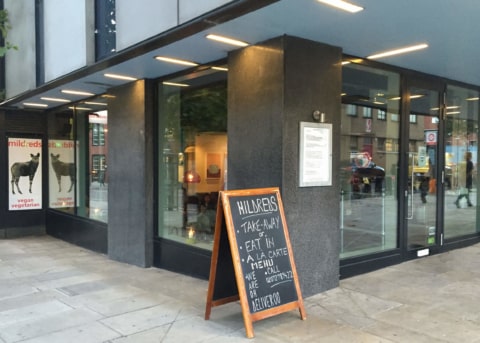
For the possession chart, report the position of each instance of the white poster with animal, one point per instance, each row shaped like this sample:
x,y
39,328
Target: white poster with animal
x,y
61,173
25,174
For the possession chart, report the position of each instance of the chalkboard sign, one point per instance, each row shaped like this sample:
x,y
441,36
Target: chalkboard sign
x,y
266,280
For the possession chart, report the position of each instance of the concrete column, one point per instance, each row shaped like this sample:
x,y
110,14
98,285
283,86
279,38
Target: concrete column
x,y
129,161
272,87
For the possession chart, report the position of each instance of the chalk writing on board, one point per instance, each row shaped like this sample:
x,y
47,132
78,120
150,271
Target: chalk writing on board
x,y
264,256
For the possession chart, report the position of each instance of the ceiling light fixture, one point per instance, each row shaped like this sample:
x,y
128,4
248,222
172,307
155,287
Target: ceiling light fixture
x,y
227,40
80,108
476,98
175,84
354,60
120,77
398,51
95,103
54,99
343,5
220,68
34,104
176,61
417,96
74,92
414,96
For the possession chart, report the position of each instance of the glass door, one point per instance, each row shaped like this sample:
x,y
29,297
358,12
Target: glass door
x,y
461,211
422,179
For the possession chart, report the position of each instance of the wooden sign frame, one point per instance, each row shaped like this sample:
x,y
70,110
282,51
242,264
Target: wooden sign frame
x,y
272,304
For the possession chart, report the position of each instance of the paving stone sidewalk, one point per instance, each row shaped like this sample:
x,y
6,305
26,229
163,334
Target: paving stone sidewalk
x,y
52,291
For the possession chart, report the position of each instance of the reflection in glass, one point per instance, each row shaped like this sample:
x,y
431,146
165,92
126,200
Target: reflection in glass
x,y
78,150
369,155
193,155
422,168
461,162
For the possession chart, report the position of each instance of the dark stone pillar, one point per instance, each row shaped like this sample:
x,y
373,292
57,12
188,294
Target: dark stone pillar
x,y
130,194
272,87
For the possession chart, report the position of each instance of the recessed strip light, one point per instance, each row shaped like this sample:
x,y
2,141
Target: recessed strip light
x,y
54,99
176,84
398,51
413,96
80,108
74,92
473,99
416,96
220,68
448,108
343,5
34,104
120,77
176,61
95,103
227,40
354,60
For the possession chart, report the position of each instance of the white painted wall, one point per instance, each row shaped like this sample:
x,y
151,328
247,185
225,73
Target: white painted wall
x,y
189,9
20,65
142,19
69,33
66,34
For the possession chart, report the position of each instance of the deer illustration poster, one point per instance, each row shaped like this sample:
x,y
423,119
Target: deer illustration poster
x,y
25,174
62,173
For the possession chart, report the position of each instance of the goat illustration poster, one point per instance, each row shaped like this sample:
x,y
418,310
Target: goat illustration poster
x,y
25,174
61,173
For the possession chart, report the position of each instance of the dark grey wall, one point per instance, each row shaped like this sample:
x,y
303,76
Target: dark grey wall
x,y
130,194
272,87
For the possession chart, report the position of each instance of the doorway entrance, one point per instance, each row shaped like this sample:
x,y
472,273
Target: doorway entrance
x,y
423,159
409,167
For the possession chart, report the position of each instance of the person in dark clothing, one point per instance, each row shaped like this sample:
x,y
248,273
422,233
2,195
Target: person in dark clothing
x,y
424,188
468,181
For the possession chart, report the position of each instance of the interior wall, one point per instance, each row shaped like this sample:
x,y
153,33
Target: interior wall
x,y
272,87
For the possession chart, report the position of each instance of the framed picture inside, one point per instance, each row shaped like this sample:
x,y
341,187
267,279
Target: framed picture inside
x,y
213,164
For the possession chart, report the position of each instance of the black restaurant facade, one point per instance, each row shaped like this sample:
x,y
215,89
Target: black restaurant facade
x,y
132,168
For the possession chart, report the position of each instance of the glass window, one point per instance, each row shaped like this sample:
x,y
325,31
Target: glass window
x,y
350,110
77,150
369,155
367,112
382,115
98,134
461,162
193,155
